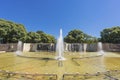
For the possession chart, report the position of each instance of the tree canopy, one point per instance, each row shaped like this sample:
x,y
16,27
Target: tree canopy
x,y
74,36
111,35
11,32
33,37
46,38
90,39
77,36
39,37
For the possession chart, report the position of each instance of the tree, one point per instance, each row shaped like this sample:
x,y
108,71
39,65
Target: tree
x,y
74,36
77,36
12,32
50,38
33,37
111,35
46,38
89,39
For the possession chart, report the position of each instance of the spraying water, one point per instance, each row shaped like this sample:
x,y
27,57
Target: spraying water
x,y
19,48
80,48
85,47
100,50
60,47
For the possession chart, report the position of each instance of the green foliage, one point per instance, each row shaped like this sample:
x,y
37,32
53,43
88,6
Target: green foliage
x,y
46,38
89,39
39,37
77,36
12,32
74,36
33,37
111,35
50,39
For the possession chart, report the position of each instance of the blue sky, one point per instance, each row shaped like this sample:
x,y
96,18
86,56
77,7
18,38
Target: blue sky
x,y
90,16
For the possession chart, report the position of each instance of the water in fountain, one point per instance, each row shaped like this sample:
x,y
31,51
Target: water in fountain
x,y
85,47
100,50
80,48
19,48
60,47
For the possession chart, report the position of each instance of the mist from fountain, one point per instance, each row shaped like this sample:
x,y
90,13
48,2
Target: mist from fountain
x,y
80,48
60,47
100,49
19,48
85,47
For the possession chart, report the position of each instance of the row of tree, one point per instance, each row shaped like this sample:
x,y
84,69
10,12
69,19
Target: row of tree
x,y
39,37
108,35
11,32
111,35
77,36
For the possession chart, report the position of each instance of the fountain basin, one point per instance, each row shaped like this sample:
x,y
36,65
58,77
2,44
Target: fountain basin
x,y
41,63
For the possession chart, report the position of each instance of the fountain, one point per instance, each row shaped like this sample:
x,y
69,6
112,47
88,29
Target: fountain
x,y
19,48
60,47
100,50
85,47
80,47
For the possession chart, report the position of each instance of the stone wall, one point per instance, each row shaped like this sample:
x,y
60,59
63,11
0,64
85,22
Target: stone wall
x,y
74,47
29,47
92,47
8,47
35,47
111,47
